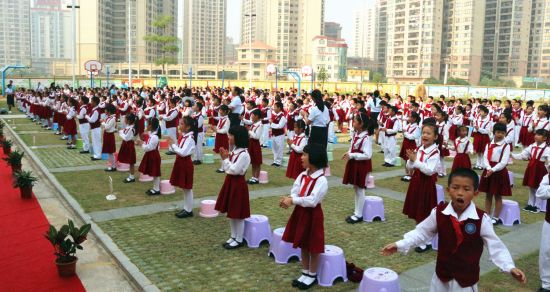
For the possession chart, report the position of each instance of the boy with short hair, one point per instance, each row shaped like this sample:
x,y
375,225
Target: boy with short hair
x,y
463,230
543,193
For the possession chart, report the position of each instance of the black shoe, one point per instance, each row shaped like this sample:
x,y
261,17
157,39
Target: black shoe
x,y
496,221
528,208
220,170
543,290
389,165
385,164
295,282
129,180
276,165
85,152
418,249
350,219
71,147
252,182
64,138
380,151
170,153
303,286
196,162
95,159
273,164
534,210
152,192
184,214
110,169
229,246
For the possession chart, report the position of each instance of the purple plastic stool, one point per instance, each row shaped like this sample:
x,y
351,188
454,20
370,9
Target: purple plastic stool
x,y
541,204
281,250
256,230
332,265
379,280
511,177
435,242
373,209
510,213
440,194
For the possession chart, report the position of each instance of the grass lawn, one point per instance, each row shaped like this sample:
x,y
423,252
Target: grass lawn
x,y
90,187
496,281
187,254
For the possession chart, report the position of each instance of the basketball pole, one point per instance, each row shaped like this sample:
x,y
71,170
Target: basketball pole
x,y
130,45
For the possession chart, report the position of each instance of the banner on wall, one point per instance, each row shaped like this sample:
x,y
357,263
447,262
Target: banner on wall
x,y
436,91
534,94
459,91
481,92
515,93
496,92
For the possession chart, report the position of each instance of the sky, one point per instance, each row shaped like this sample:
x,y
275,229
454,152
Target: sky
x,y
334,11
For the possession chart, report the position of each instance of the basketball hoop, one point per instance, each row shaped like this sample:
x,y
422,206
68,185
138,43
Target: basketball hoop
x,y
270,69
93,67
307,71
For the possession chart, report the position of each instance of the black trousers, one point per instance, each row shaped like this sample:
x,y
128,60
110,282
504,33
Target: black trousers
x,y
318,135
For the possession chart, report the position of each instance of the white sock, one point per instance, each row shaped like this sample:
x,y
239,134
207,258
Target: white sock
x,y
112,160
188,200
239,230
479,161
308,280
156,184
532,197
131,176
233,229
359,201
303,276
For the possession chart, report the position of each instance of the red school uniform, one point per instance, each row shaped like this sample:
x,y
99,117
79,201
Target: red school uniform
x,y
150,163
462,157
536,169
127,151
221,140
295,167
481,139
183,170
408,144
254,148
109,145
233,197
421,195
526,138
357,170
499,182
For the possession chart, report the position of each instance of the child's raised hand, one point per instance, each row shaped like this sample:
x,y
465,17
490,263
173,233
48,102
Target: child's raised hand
x,y
411,154
389,249
139,142
170,140
289,142
224,153
519,275
286,202
345,157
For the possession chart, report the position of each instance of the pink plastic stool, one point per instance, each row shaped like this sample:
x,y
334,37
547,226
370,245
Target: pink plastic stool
x,y
263,179
207,209
327,171
256,230
163,144
281,250
332,266
122,166
373,210
440,194
379,280
510,160
435,242
166,188
510,213
541,204
452,154
145,178
511,177
370,182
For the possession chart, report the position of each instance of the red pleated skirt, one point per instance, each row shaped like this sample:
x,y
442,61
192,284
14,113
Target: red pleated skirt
x,y
182,173
534,173
255,151
221,141
341,115
421,196
305,229
150,163
109,145
461,160
525,137
452,132
62,120
140,126
480,141
407,145
356,172
70,127
294,167
443,152
497,184
127,152
233,198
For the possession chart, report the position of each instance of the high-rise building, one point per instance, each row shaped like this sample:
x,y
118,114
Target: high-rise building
x,y
50,33
333,30
539,41
331,55
15,40
414,34
506,39
204,31
288,25
381,34
462,46
365,31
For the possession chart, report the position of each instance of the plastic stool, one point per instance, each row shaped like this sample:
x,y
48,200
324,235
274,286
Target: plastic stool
x,y
435,242
281,250
79,144
370,182
510,213
163,144
327,171
122,167
208,158
145,178
285,161
440,194
330,156
373,210
166,188
511,177
104,156
207,209
263,179
452,154
55,126
256,230
332,265
210,141
397,161
269,144
379,280
510,160
542,205
330,147
335,141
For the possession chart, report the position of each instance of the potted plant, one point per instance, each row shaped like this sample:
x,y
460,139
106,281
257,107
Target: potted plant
x,y
14,160
66,241
6,144
24,180
1,134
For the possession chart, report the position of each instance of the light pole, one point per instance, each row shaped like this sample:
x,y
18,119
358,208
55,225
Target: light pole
x,y
73,7
130,45
250,45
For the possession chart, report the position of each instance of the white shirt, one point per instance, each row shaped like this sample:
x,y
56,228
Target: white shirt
x,y
223,125
127,134
255,131
463,145
457,120
172,114
318,118
534,150
502,146
485,125
299,142
510,129
236,105
72,113
186,146
282,121
366,148
426,163
396,126
109,125
151,144
238,164
543,192
317,193
412,132
81,113
95,115
540,124
427,229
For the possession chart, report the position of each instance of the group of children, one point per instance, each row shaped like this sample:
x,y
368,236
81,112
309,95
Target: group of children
x,y
428,135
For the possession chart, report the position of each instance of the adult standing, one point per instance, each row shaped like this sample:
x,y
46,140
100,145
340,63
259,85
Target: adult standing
x,y
373,104
318,119
10,96
235,107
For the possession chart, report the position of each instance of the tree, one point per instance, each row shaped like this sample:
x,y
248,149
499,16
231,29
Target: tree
x,y
432,80
377,77
166,43
457,81
322,76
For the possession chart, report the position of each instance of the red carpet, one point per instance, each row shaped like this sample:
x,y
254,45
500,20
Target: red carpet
x,y
26,257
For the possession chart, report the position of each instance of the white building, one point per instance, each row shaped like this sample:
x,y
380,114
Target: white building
x,y
365,29
15,39
330,54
